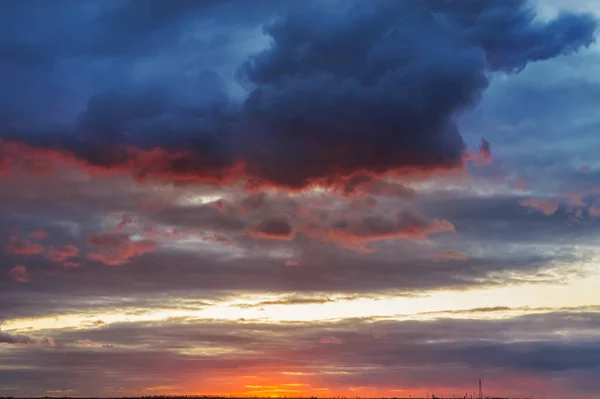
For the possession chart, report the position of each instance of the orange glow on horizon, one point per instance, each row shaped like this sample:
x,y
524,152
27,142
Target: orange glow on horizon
x,y
262,382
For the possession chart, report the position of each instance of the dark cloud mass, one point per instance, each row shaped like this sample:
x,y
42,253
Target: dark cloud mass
x,y
388,99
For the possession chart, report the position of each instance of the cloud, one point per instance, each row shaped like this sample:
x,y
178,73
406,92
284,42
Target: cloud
x,y
331,341
364,184
56,254
326,105
61,254
221,239
370,355
594,209
20,274
90,343
275,227
9,339
406,224
522,38
126,219
377,107
115,249
18,246
353,102
294,300
450,255
39,234
483,156
546,206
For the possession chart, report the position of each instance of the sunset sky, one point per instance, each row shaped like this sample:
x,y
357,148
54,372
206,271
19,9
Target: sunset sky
x,y
296,198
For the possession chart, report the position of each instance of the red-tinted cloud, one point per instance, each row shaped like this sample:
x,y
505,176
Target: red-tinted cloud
x,y
594,209
406,224
115,249
19,273
362,184
546,206
39,234
219,204
18,246
183,167
158,164
221,239
351,224
450,255
331,340
483,156
156,233
61,254
54,254
126,219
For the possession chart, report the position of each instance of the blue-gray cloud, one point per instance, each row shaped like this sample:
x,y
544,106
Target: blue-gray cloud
x,y
344,87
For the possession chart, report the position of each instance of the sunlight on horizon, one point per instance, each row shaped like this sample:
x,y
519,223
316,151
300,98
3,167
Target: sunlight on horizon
x,y
428,305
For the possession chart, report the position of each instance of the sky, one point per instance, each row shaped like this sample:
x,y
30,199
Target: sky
x,y
299,198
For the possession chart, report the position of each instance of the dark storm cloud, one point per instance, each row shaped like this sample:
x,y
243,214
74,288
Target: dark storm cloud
x,y
58,56
511,36
40,31
383,102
